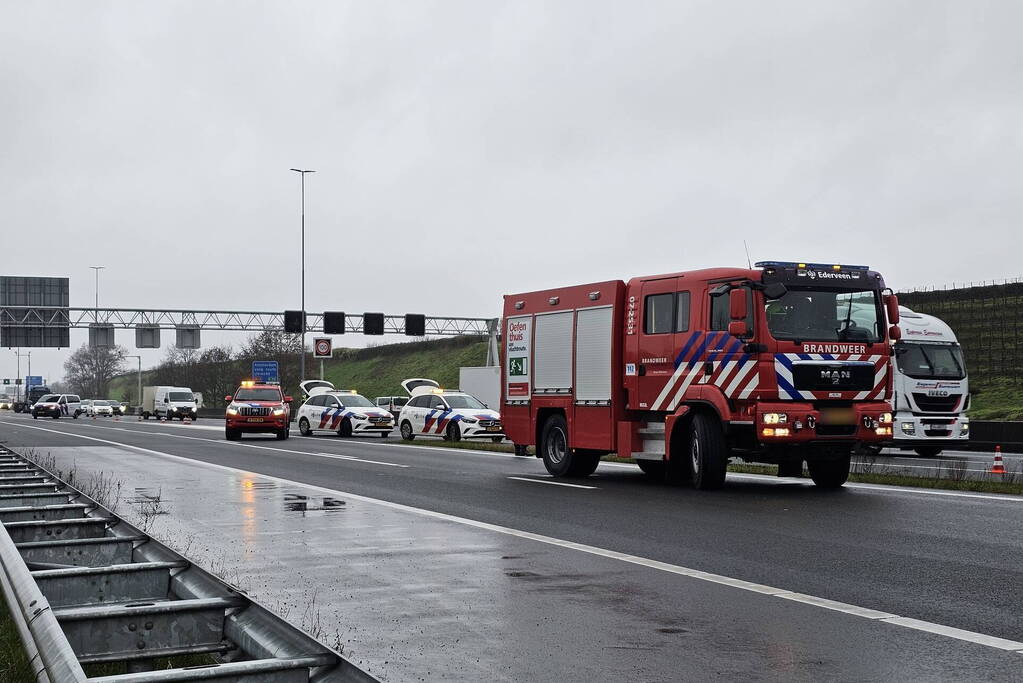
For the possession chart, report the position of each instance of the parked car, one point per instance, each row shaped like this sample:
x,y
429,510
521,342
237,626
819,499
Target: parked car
x,y
452,415
83,407
57,405
345,412
99,408
392,404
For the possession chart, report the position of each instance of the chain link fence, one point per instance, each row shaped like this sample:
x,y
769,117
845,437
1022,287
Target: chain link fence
x,y
986,318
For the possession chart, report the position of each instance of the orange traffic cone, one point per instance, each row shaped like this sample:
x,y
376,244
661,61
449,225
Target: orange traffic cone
x,y
998,467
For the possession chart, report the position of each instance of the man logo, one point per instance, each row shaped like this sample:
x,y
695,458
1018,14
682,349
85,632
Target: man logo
x,y
836,376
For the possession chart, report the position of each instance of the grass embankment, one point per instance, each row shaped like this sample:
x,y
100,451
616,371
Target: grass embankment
x,y
997,399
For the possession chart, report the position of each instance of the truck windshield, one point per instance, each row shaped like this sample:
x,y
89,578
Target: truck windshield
x,y
180,396
930,361
258,395
825,315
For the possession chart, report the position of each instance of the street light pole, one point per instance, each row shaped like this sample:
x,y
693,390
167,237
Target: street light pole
x,y
301,368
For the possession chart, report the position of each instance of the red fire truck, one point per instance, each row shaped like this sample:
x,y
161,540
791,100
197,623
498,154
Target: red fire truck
x,y
784,363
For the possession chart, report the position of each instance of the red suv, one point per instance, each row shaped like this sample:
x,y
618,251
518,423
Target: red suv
x,y
257,407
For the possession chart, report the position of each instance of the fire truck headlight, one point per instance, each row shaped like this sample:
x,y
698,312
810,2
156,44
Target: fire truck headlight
x,y
886,418
775,418
883,431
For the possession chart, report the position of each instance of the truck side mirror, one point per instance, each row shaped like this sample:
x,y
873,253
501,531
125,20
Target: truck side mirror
x,y
738,303
891,302
895,333
737,328
228,398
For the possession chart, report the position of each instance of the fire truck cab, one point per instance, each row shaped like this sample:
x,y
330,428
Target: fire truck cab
x,y
784,363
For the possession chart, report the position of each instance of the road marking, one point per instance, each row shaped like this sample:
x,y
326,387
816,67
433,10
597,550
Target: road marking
x,y
769,478
762,589
553,483
230,443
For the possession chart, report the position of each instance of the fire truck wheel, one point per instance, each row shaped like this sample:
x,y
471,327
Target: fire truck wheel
x,y
406,431
927,451
830,473
652,468
554,446
345,428
303,427
453,433
708,452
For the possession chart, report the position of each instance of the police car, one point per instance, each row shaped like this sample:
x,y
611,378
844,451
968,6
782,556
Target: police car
x,y
345,412
452,415
57,405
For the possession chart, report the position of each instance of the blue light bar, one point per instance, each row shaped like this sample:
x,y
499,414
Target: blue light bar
x,y
821,266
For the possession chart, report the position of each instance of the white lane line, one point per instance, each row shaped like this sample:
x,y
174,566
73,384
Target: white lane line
x,y
337,456
235,443
553,483
824,603
768,478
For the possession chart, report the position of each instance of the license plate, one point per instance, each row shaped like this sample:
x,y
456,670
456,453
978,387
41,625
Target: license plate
x,y
493,429
255,419
838,416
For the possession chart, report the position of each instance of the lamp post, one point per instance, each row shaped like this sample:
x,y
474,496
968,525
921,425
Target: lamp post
x,y
139,396
95,352
301,367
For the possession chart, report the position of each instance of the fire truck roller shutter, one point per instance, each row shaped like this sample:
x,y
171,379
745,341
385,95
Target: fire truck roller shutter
x,y
593,354
552,356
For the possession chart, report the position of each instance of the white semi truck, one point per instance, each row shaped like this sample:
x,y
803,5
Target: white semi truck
x,y
931,389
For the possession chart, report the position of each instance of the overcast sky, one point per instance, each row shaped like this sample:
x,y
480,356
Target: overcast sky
x,y
469,149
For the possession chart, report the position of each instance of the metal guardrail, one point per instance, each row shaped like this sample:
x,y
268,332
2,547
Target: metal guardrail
x,y
85,586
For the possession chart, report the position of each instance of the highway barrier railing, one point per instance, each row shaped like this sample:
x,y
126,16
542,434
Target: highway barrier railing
x,y
84,586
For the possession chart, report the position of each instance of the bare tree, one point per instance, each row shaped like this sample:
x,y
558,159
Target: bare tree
x,y
89,370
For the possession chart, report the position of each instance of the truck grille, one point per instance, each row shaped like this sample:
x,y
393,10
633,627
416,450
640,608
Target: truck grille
x,y
936,404
254,411
833,376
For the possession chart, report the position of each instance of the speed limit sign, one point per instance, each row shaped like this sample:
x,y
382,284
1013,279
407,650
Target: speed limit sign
x,y
322,347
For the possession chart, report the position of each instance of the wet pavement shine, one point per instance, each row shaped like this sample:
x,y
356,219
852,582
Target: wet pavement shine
x,y
410,595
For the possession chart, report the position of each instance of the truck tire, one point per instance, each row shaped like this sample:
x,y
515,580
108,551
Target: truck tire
x,y
829,473
232,435
928,451
558,456
406,431
453,433
303,427
708,452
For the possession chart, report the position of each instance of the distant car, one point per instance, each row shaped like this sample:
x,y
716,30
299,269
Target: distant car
x,y
257,407
98,408
347,412
392,404
453,415
5,403
83,407
118,407
57,405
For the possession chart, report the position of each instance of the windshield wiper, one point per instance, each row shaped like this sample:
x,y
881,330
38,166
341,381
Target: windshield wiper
x,y
923,352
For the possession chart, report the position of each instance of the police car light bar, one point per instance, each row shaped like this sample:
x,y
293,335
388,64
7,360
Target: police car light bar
x,y
792,264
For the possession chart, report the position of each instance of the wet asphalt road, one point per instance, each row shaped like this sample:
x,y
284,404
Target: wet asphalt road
x,y
950,559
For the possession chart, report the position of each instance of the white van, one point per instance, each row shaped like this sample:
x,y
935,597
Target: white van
x,y
168,402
